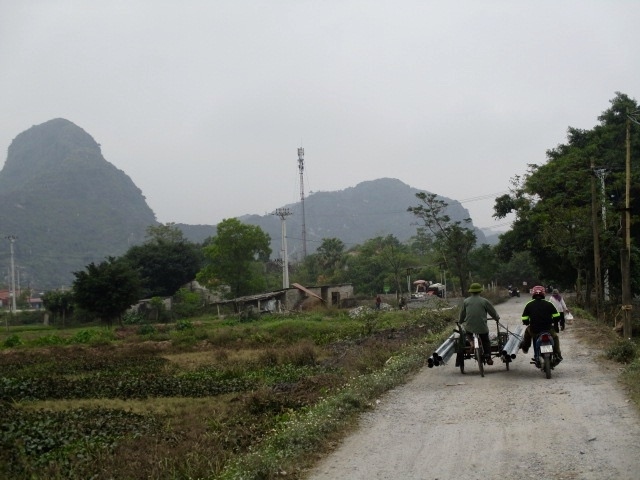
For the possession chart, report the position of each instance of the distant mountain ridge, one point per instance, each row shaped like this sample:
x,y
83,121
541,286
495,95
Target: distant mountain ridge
x,y
68,207
370,209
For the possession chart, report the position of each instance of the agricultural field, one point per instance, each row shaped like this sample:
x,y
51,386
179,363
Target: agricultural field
x,y
206,398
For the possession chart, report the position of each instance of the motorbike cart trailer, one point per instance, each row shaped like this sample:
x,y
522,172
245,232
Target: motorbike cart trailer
x,y
504,345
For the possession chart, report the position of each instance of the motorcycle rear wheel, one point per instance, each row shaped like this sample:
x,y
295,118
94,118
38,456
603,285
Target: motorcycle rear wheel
x,y
546,357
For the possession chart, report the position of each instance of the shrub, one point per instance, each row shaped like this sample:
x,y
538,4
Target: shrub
x,y
47,340
623,352
12,341
186,304
182,325
302,354
93,337
146,329
133,318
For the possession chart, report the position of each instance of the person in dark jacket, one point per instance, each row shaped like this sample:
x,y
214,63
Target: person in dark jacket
x,y
474,317
539,315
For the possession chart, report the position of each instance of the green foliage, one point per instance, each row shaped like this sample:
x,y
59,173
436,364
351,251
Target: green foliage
x,y
59,303
624,351
166,261
260,382
520,268
453,240
107,289
326,266
553,203
12,341
378,262
146,329
92,337
32,441
235,257
49,340
182,325
133,318
186,304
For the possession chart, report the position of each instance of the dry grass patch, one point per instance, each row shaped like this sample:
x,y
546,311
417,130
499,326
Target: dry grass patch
x,y
172,407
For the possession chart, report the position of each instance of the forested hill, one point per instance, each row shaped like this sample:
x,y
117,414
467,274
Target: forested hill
x,y
356,214
66,205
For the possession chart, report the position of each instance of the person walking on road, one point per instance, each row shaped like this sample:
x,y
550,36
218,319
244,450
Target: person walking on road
x,y
558,302
474,316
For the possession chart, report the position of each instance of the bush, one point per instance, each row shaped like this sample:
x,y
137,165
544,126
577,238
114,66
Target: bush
x,y
623,352
182,325
12,341
47,340
133,318
146,329
186,304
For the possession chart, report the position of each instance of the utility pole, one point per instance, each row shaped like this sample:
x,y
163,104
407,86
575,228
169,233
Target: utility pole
x,y
601,173
304,226
596,240
283,213
12,238
625,254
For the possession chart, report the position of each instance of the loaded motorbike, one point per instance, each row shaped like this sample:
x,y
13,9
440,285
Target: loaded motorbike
x,y
514,292
543,356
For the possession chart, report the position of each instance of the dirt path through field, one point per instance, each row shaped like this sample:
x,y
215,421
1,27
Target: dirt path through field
x,y
510,424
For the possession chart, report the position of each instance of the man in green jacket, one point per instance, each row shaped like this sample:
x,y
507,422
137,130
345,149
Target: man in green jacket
x,y
473,316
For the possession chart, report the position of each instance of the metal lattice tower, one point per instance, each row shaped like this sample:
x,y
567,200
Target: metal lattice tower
x,y
304,225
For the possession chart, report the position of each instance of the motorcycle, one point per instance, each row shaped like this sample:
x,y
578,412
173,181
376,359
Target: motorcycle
x,y
514,292
543,356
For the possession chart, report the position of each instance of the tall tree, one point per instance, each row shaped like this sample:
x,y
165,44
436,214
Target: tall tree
x,y
166,261
59,303
553,207
453,240
324,266
107,289
236,257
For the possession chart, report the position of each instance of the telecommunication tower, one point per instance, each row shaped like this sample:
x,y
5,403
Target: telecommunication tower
x,y
304,226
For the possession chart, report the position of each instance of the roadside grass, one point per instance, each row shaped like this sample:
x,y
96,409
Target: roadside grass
x,y
219,398
613,348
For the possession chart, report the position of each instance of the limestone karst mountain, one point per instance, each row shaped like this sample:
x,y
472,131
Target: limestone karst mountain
x,y
66,205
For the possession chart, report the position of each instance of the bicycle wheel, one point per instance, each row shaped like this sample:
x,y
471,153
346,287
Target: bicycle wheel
x,y
480,359
547,364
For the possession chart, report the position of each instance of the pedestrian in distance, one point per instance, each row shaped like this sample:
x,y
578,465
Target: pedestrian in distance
x,y
378,302
558,302
473,315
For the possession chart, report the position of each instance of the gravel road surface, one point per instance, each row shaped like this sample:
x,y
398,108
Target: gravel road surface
x,y
512,424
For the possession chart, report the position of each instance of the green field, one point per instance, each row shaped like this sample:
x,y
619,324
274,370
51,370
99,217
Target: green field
x,y
207,398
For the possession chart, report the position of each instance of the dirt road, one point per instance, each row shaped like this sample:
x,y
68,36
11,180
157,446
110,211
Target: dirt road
x,y
510,424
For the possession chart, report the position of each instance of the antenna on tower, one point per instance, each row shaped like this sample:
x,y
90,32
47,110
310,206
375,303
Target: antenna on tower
x,y
304,225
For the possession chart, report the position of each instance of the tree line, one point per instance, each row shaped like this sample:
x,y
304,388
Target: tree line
x,y
566,232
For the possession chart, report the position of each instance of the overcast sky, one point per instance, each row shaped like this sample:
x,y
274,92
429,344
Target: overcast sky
x,y
204,103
